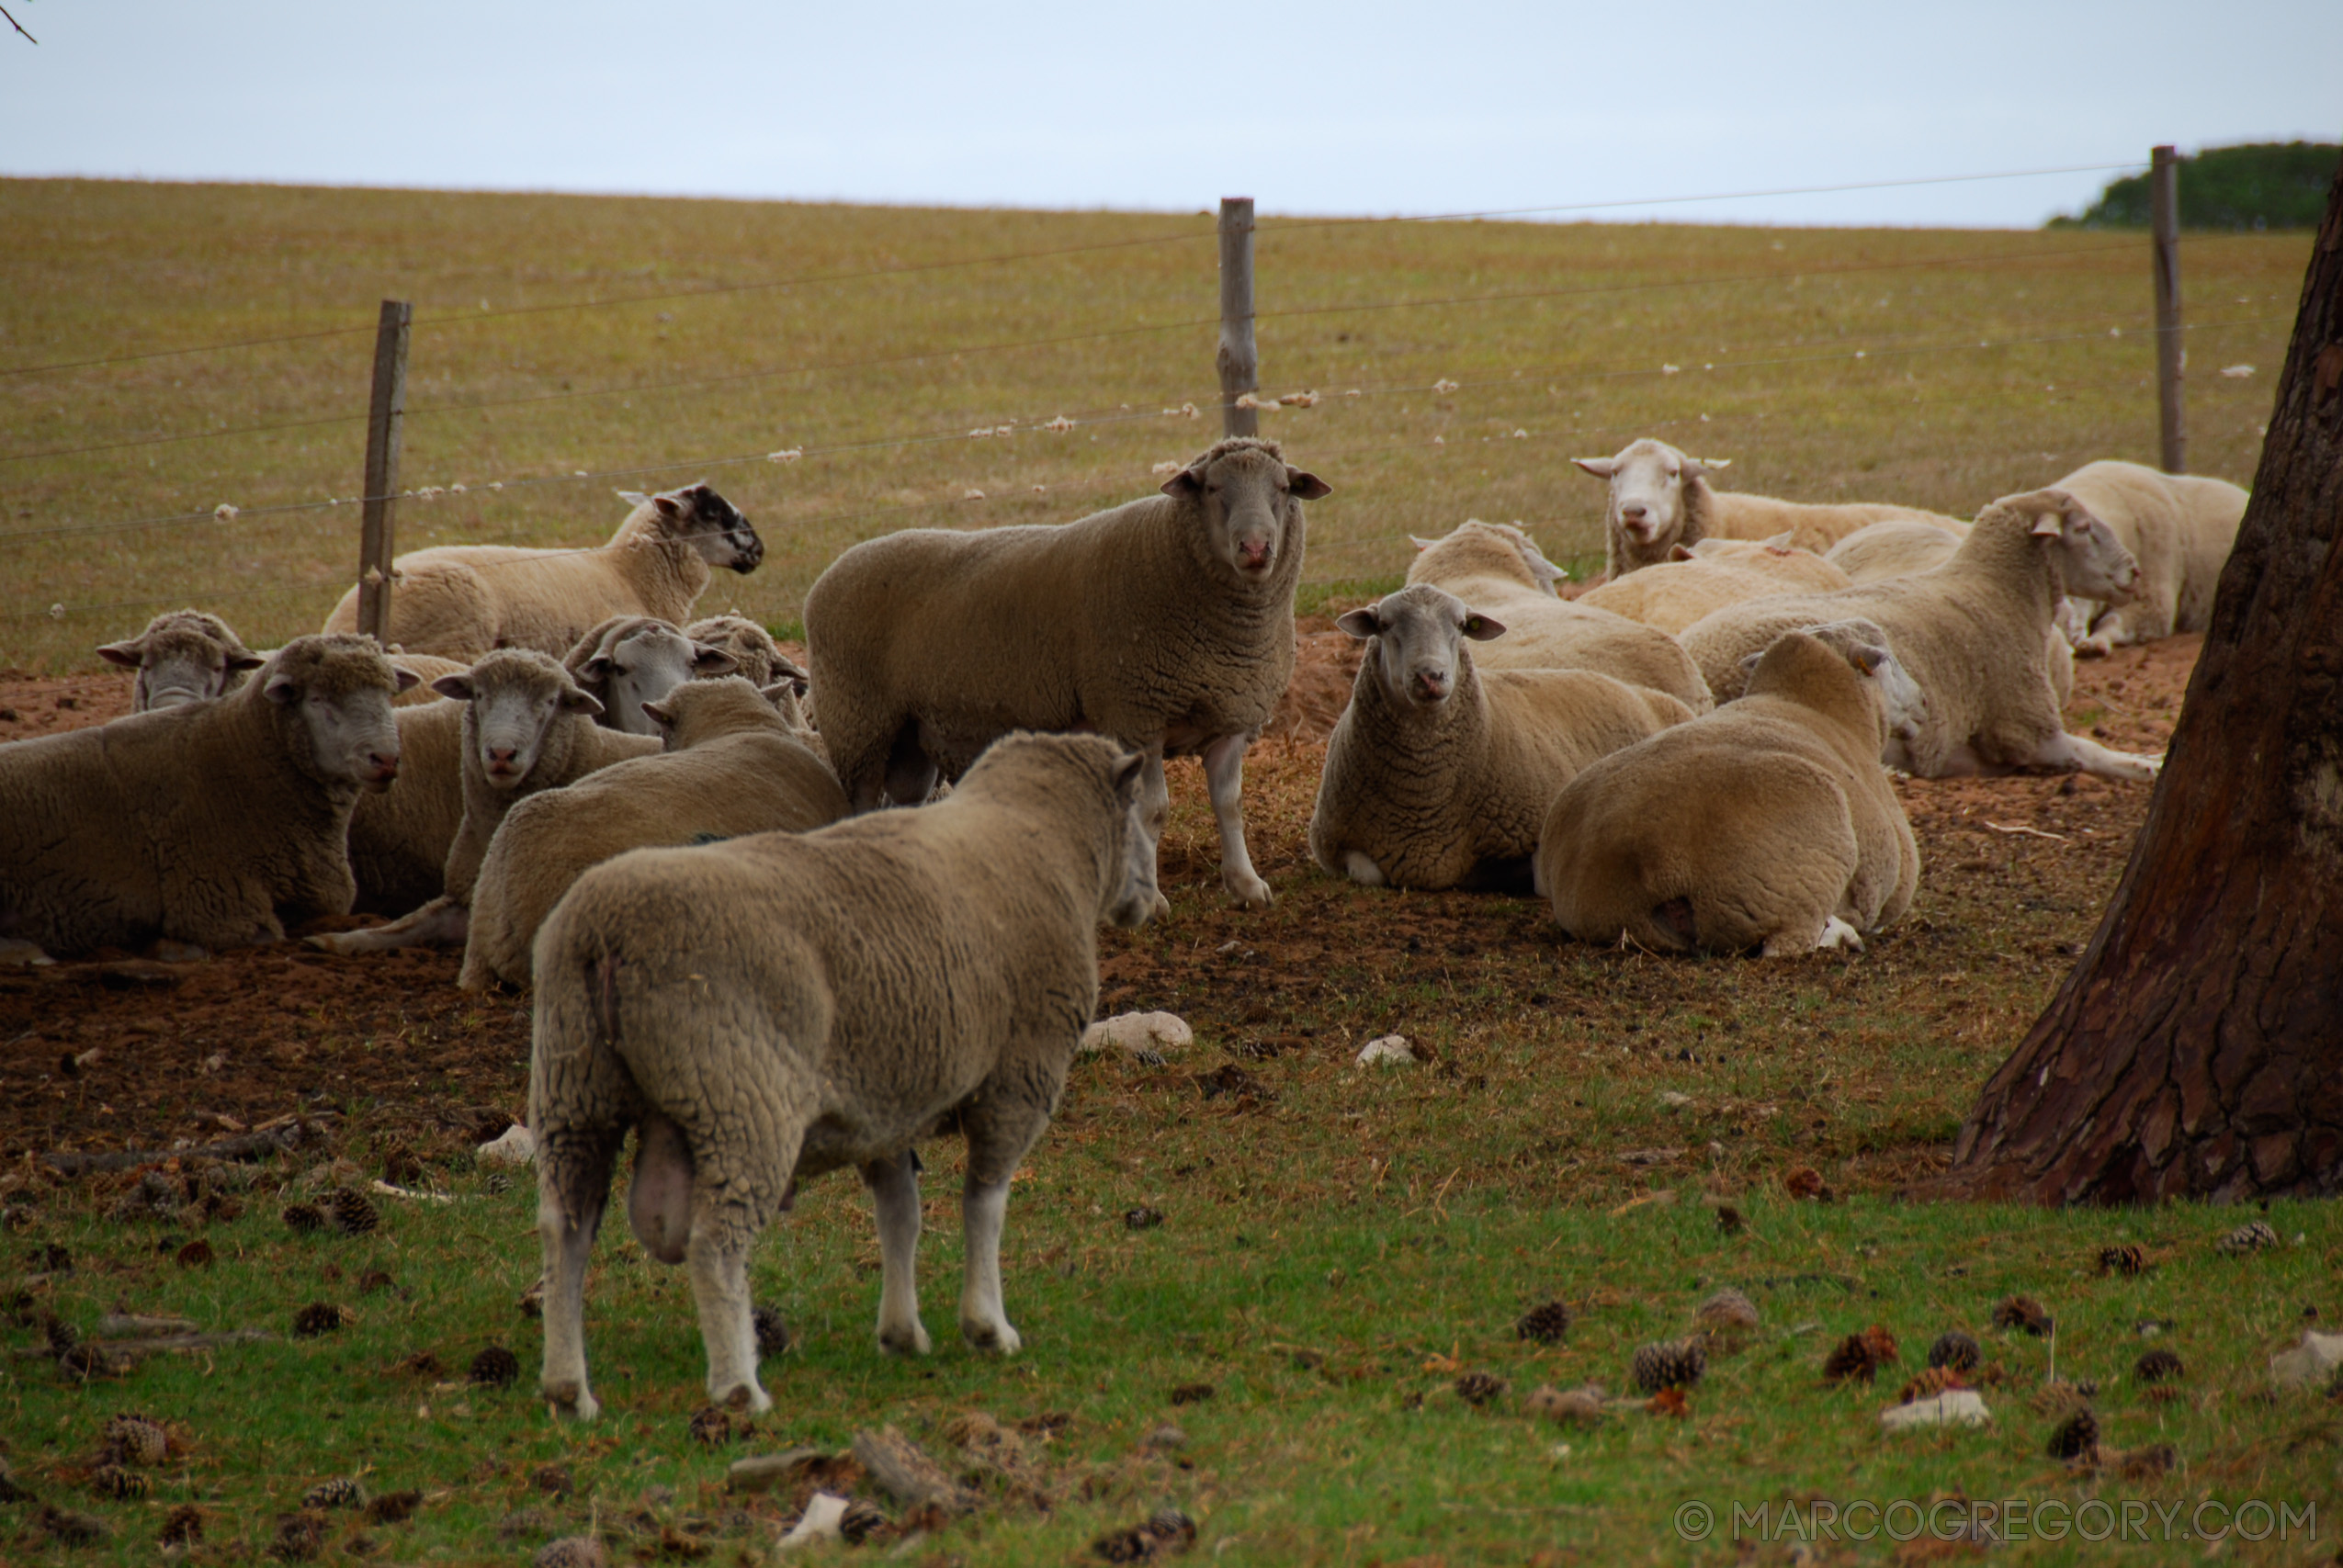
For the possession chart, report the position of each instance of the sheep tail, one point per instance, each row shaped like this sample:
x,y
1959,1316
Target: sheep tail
x,y
601,983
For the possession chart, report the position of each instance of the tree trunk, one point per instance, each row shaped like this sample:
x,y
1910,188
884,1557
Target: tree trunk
x,y
2197,1049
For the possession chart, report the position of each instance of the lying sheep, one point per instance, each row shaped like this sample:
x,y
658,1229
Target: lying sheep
x,y
183,656
1894,547
1975,633
1699,578
522,727
1660,498
1437,774
400,839
756,656
766,1010
628,660
1497,568
460,601
1166,623
733,767
1765,824
2179,527
211,822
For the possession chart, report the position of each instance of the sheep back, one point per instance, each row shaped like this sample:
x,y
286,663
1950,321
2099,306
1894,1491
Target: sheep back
x,y
1672,594
2179,528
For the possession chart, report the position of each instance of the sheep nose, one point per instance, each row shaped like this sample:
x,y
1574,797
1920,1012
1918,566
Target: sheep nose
x,y
1431,684
1633,510
384,765
1254,553
502,758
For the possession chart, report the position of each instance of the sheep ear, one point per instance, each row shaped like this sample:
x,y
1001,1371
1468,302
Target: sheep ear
x,y
1867,659
240,661
1361,623
596,669
1420,543
785,665
1681,552
1305,485
125,654
631,497
1709,465
586,703
404,680
1600,467
706,661
1480,628
1749,662
671,508
1184,484
659,715
284,691
1783,543
458,687
1127,773
2051,524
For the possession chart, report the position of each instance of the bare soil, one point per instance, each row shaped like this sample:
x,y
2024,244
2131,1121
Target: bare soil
x,y
121,1051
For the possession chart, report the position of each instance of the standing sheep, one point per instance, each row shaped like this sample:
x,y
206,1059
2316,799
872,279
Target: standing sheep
x,y
183,656
767,1009
524,726
733,767
1658,497
2179,527
1975,633
628,660
1766,824
211,822
1699,578
1166,623
1437,774
461,600
1497,568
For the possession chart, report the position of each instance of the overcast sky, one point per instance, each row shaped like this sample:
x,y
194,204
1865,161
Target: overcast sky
x,y
1309,107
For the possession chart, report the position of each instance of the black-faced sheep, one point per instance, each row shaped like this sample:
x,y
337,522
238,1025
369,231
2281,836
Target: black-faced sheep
x,y
211,822
769,1008
1439,774
461,600
1768,823
1166,623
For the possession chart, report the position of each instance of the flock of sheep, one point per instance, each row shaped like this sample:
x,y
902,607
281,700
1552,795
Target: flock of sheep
x,y
673,832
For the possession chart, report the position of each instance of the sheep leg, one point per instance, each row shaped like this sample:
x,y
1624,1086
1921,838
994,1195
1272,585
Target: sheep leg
x,y
894,1186
572,1186
998,1136
1224,777
1155,810
718,1257
443,922
2064,751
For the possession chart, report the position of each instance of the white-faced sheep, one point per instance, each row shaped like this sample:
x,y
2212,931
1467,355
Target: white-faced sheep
x,y
400,839
2179,527
1894,547
628,660
524,726
766,1010
1768,823
1497,568
1660,496
461,600
733,767
1975,633
183,656
1166,623
756,658
211,822
1710,575
1439,774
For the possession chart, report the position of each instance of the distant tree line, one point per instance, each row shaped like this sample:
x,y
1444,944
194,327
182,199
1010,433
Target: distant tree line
x,y
2259,184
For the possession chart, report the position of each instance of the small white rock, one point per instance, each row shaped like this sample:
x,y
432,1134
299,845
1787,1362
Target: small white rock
x,y
1956,1407
517,1146
819,1523
1136,1032
1673,1101
2312,1361
1391,1048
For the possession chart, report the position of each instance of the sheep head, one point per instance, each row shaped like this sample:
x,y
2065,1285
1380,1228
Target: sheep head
x,y
1249,495
1647,480
183,656
2086,559
516,697
332,695
1418,651
696,516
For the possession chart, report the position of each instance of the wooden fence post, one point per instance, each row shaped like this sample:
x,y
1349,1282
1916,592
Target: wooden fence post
x,y
2163,222
1239,359
376,546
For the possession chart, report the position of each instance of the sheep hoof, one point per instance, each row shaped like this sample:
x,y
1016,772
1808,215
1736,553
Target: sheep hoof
x,y
896,1341
1362,870
2094,648
1837,933
997,1338
1247,888
571,1400
747,1397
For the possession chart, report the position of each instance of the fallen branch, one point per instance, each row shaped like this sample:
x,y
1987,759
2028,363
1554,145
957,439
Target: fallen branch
x,y
909,1475
153,1343
2034,832
247,1146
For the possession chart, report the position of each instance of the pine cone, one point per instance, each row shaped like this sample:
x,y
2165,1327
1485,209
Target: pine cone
x,y
196,1254
1546,1323
318,1318
498,1183
1670,1364
2054,1398
338,1492
2147,1463
1727,1312
1479,1389
1955,1351
772,1333
62,1336
2075,1437
1884,1349
184,1527
2157,1366
51,1259
352,1213
494,1367
83,1362
75,1530
1173,1531
1806,1185
114,1480
374,1279
2249,1237
299,1536
2022,1313
304,1219
572,1552
1851,1358
1928,1384
712,1425
1567,1404
1729,1220
2128,1259
401,1166
393,1507
1192,1393
862,1519
139,1441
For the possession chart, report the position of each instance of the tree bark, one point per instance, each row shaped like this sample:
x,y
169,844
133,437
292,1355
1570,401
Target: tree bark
x,y
2197,1049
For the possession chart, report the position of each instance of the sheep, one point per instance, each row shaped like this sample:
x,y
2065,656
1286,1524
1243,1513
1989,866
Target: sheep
x,y
2178,527
1974,633
211,822
183,656
1893,547
754,653
732,767
461,600
1438,774
1660,496
400,839
766,1010
629,660
1699,578
1766,824
427,668
1166,623
1497,568
522,727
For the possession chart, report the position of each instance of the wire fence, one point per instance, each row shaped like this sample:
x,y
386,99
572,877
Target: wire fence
x,y
1143,404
